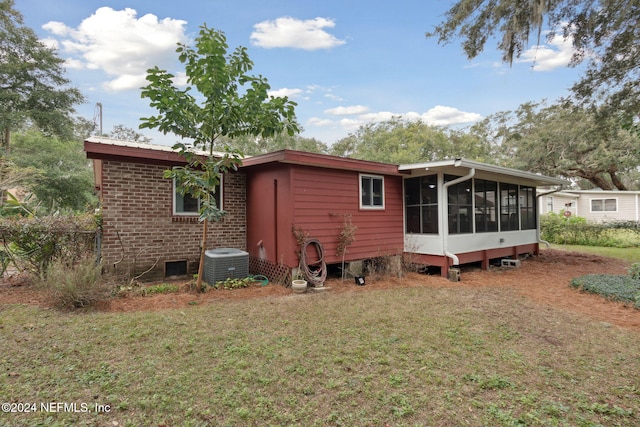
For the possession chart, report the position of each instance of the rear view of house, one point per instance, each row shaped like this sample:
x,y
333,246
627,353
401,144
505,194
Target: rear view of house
x,y
439,214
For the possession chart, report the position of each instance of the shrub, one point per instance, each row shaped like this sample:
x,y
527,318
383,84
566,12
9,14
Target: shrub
x,y
73,285
634,271
234,283
31,244
162,288
573,230
617,288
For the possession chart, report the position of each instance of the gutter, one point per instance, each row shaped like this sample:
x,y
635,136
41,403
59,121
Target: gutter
x,y
538,237
444,210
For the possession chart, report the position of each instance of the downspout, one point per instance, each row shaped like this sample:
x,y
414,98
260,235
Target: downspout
x,y
445,211
538,237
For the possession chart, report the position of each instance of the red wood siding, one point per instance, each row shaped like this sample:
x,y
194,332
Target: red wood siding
x,y
268,213
317,200
324,197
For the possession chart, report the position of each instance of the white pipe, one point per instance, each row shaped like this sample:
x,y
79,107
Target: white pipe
x,y
538,238
445,213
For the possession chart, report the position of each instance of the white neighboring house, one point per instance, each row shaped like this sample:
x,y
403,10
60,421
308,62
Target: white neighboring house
x,y
594,205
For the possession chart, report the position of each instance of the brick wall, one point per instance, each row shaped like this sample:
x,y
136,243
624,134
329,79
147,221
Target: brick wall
x,y
140,231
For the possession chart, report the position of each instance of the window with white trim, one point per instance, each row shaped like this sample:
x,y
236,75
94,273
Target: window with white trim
x,y
187,205
604,205
371,192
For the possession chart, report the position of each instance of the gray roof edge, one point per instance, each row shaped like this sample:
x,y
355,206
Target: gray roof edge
x,y
484,167
142,145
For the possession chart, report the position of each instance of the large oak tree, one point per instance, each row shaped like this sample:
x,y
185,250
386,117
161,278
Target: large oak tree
x,y
561,140
604,33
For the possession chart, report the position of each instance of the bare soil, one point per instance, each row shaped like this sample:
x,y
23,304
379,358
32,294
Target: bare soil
x,y
544,279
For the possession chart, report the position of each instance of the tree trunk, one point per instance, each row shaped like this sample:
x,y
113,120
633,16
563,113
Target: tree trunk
x,y
616,181
4,144
593,177
205,227
600,182
5,139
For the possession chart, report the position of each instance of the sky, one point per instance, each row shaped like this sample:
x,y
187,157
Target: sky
x,y
346,63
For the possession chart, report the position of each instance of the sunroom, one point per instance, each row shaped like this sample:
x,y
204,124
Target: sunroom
x,y
459,211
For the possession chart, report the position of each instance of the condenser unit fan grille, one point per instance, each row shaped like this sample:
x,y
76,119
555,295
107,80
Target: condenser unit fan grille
x,y
224,263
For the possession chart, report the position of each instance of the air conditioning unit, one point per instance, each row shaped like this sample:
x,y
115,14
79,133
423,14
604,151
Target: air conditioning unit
x,y
224,263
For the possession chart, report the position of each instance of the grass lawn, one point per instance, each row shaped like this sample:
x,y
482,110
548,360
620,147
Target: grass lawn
x,y
631,254
411,356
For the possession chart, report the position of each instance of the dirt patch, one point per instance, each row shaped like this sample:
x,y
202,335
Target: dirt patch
x,y
544,279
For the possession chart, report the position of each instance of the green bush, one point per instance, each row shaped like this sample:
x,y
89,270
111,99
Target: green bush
x,y
617,288
32,243
634,271
573,230
163,288
73,285
233,283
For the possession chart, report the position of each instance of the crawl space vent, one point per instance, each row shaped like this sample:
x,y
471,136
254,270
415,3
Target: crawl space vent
x,y
224,263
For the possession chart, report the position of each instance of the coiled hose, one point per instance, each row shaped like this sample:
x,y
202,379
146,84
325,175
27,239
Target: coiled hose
x,y
314,271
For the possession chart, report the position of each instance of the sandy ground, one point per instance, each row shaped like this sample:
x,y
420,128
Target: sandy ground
x,y
544,279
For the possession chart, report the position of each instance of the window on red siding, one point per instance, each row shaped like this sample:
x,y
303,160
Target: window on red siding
x,y
371,192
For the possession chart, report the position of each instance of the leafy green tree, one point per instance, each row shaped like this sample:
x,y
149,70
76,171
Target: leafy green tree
x,y
33,88
399,141
254,145
59,175
229,103
127,134
561,140
604,33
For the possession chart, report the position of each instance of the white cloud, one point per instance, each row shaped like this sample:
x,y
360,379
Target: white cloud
x,y
289,93
437,116
56,28
74,64
316,121
125,82
351,124
180,79
445,116
334,97
120,44
380,116
347,111
549,57
295,33
50,43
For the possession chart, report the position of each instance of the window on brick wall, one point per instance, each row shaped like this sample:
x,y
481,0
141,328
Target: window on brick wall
x,y
185,204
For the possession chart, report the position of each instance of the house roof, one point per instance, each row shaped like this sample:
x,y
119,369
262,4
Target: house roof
x,y
537,179
321,160
598,192
109,148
